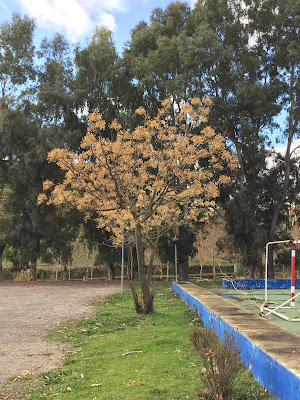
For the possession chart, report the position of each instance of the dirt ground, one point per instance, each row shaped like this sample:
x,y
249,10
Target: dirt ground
x,y
29,309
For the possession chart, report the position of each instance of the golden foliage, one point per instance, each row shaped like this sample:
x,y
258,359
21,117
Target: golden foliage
x,y
140,111
146,176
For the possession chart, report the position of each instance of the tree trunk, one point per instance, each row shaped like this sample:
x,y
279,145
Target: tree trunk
x,y
146,306
34,257
183,265
1,266
64,272
32,276
201,255
271,271
87,263
111,272
255,270
183,270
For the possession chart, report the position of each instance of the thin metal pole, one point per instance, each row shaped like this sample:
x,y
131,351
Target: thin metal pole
x,y
122,265
176,262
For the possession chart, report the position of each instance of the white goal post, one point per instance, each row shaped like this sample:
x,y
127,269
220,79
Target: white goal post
x,y
293,276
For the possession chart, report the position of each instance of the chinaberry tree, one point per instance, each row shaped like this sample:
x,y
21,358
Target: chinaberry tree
x,y
143,179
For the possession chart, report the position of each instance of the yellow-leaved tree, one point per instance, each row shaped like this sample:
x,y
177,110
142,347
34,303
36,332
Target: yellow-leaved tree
x,y
145,180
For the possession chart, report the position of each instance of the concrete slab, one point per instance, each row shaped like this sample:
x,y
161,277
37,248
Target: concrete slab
x,y
268,349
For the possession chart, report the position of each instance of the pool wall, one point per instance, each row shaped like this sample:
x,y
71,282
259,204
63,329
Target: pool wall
x,y
273,376
258,283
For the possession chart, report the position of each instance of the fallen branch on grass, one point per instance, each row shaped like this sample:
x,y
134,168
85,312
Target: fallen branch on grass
x,y
132,352
23,375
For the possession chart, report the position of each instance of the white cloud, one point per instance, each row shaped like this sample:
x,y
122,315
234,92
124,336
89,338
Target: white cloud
x,y
98,6
295,148
107,20
76,17
295,152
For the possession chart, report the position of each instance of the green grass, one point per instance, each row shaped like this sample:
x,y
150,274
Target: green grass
x,y
160,363
208,283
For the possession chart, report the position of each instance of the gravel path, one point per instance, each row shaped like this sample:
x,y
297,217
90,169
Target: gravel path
x,y
29,309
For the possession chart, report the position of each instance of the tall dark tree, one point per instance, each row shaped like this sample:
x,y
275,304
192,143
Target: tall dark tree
x,y
254,214
244,55
97,68
35,229
42,118
280,32
55,106
16,57
16,72
236,76
158,57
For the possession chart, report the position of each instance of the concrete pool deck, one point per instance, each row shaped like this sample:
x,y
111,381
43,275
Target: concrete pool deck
x,y
270,351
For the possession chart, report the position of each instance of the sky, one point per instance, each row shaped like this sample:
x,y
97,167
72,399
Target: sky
x,y
77,19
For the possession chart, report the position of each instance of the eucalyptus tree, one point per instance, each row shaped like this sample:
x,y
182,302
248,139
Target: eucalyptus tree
x,y
280,35
245,102
16,57
98,68
158,58
54,122
254,212
39,119
244,55
17,72
55,105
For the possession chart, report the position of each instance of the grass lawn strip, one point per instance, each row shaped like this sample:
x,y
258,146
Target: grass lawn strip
x,y
118,354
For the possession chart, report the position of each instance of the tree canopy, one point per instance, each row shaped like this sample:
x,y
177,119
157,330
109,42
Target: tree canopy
x,y
146,180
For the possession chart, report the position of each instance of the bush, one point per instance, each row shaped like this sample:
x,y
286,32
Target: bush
x,y
221,362
22,276
7,274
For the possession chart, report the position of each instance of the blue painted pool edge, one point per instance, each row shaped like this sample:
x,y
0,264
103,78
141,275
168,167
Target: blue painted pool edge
x,y
268,372
259,283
